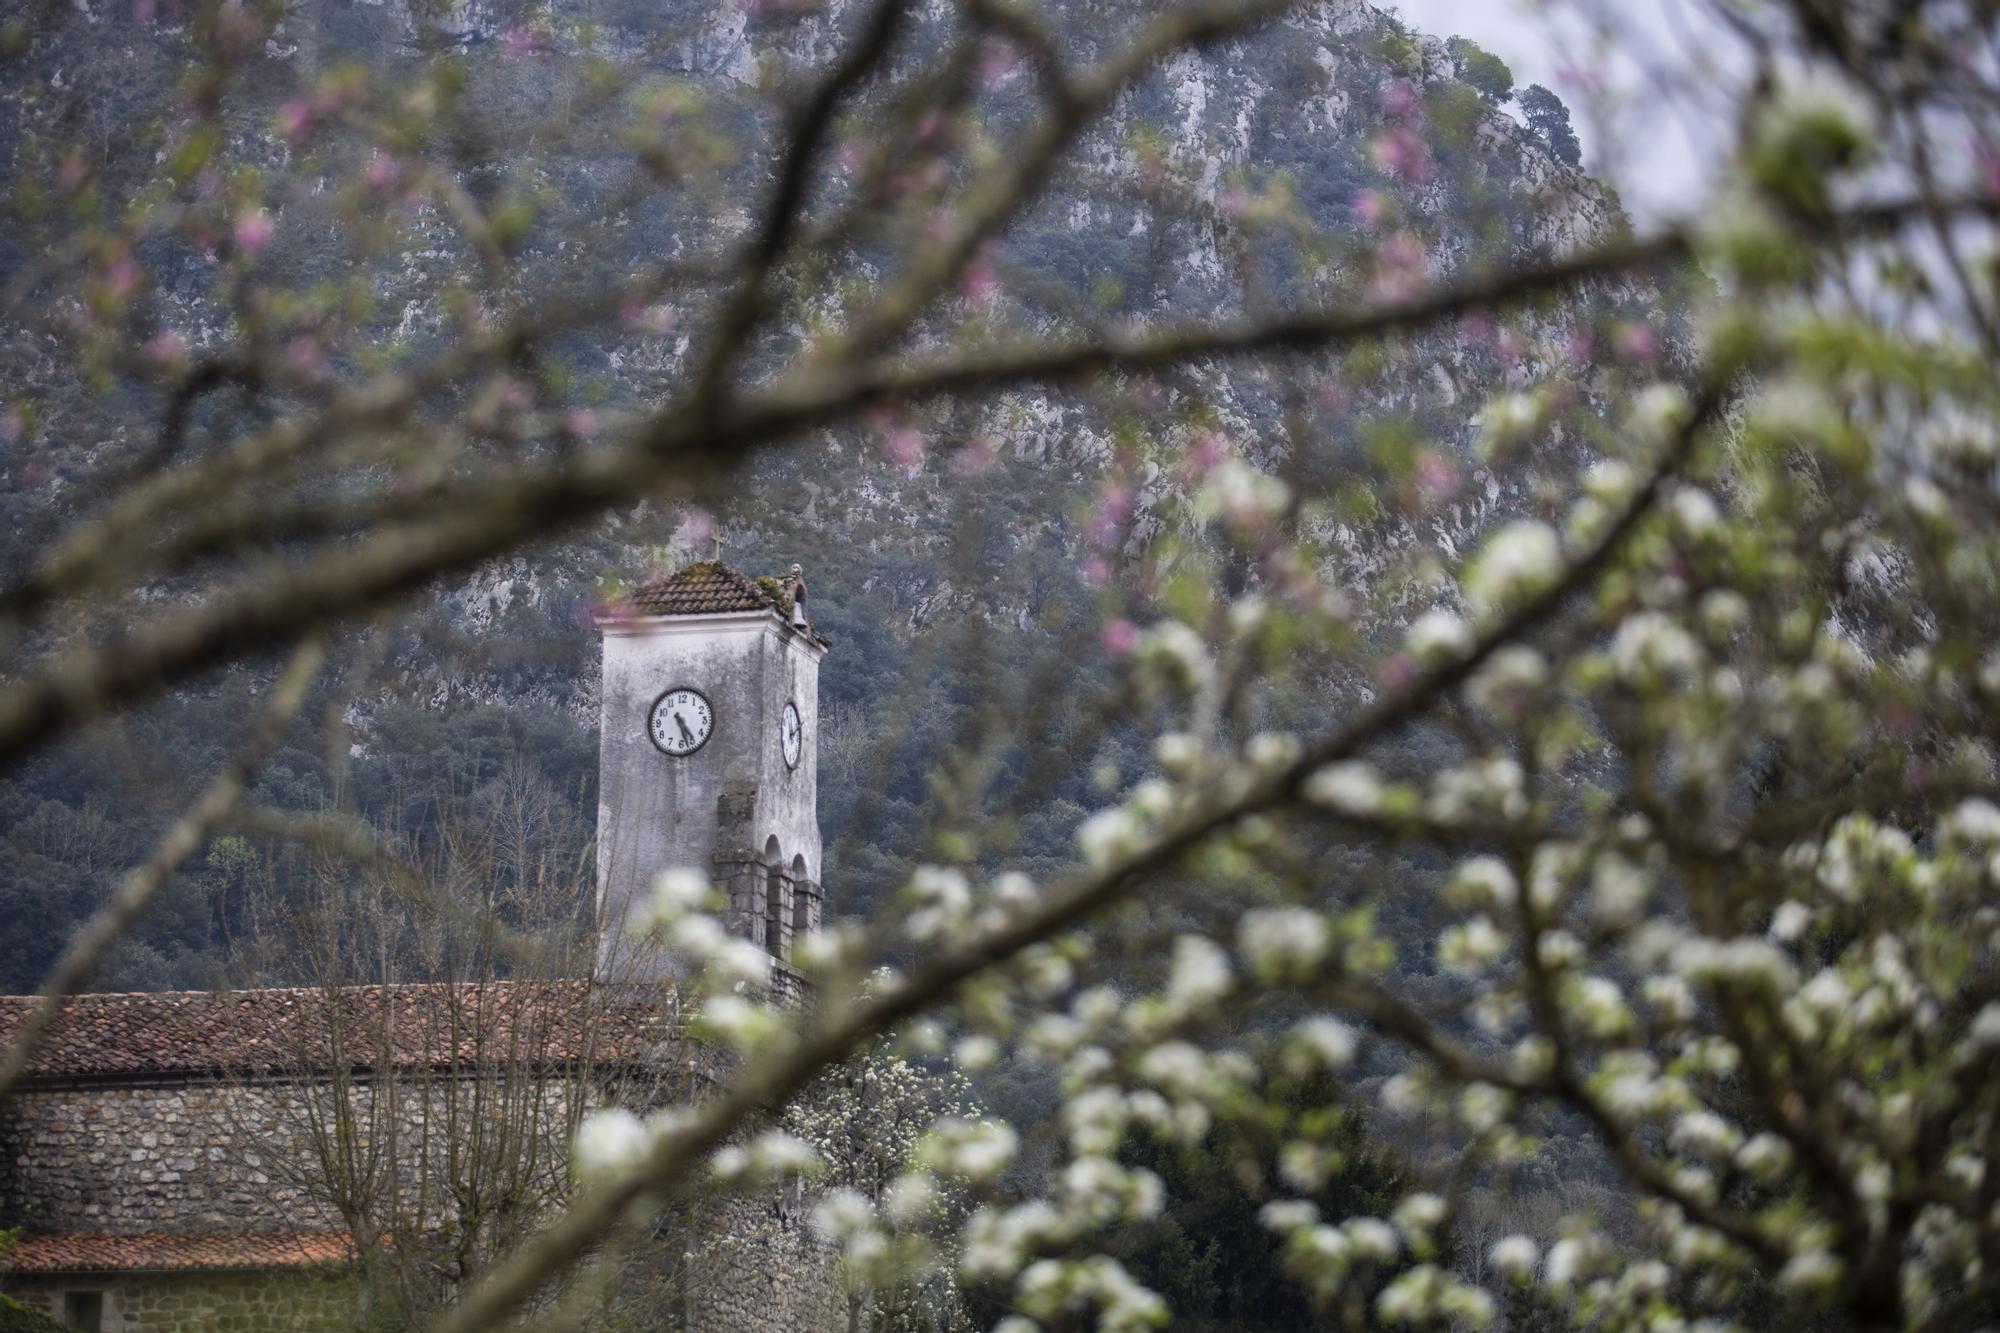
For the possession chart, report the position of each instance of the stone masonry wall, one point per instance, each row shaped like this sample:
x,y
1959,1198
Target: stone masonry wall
x,y
134,1159
228,1158
277,1302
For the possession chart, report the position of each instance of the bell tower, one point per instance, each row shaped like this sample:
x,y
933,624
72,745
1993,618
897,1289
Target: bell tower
x,y
709,752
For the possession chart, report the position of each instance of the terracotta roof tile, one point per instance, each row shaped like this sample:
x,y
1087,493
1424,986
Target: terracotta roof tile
x,y
250,1031
159,1252
706,588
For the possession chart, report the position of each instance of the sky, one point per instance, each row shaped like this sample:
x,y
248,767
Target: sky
x,y
1650,106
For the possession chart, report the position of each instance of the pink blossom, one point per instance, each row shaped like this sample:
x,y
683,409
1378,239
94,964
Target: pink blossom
x,y
1635,340
976,456
12,425
382,172
1578,345
1333,398
1206,450
1398,671
1510,346
998,63
1121,636
121,277
168,347
1399,98
253,230
306,356
145,11
903,444
1402,267
981,280
855,156
295,120
1370,207
519,41
1402,251
610,611
1234,202
1436,476
698,527
657,319
1583,78
1402,153
1115,502
1477,328
581,422
75,174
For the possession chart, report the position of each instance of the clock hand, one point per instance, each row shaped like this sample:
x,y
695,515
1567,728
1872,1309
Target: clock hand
x,y
687,737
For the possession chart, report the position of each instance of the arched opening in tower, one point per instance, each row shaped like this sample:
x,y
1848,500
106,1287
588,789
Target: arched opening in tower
x,y
774,899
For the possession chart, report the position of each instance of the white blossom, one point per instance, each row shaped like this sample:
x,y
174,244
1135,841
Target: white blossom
x,y
1178,752
1108,835
1651,650
1280,943
1320,1042
1508,680
1767,1158
1810,1272
842,1213
1372,1239
1483,884
1284,1215
1790,921
1515,1257
976,1150
609,1141
1349,787
1179,651
1517,562
1510,420
1437,637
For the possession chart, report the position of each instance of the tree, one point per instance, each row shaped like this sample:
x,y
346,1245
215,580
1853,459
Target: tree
x,y
443,1051
1482,69
1549,118
1637,829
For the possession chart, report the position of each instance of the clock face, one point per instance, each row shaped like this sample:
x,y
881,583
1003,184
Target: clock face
x,y
681,722
791,734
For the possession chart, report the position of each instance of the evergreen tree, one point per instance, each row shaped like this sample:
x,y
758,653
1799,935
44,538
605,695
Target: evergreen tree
x,y
1549,118
1481,68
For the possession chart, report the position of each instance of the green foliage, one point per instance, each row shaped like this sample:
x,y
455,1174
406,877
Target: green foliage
x,y
18,1318
1482,69
1218,1265
1549,118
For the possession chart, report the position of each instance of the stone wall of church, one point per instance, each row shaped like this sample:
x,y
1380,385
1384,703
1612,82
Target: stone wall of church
x,y
273,1302
194,1157
218,1157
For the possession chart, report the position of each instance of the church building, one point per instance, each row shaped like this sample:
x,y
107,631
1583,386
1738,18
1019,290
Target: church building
x,y
158,1157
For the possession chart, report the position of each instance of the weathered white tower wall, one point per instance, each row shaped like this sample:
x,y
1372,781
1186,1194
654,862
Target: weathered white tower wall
x,y
732,809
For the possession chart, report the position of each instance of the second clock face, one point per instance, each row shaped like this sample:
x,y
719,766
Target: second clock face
x,y
681,722
791,734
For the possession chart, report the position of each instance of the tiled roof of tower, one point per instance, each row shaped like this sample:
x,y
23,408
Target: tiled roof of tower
x,y
170,1252
709,587
410,1026
704,588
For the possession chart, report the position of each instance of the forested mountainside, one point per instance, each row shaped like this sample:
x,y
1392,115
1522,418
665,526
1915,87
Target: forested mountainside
x,y
955,562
